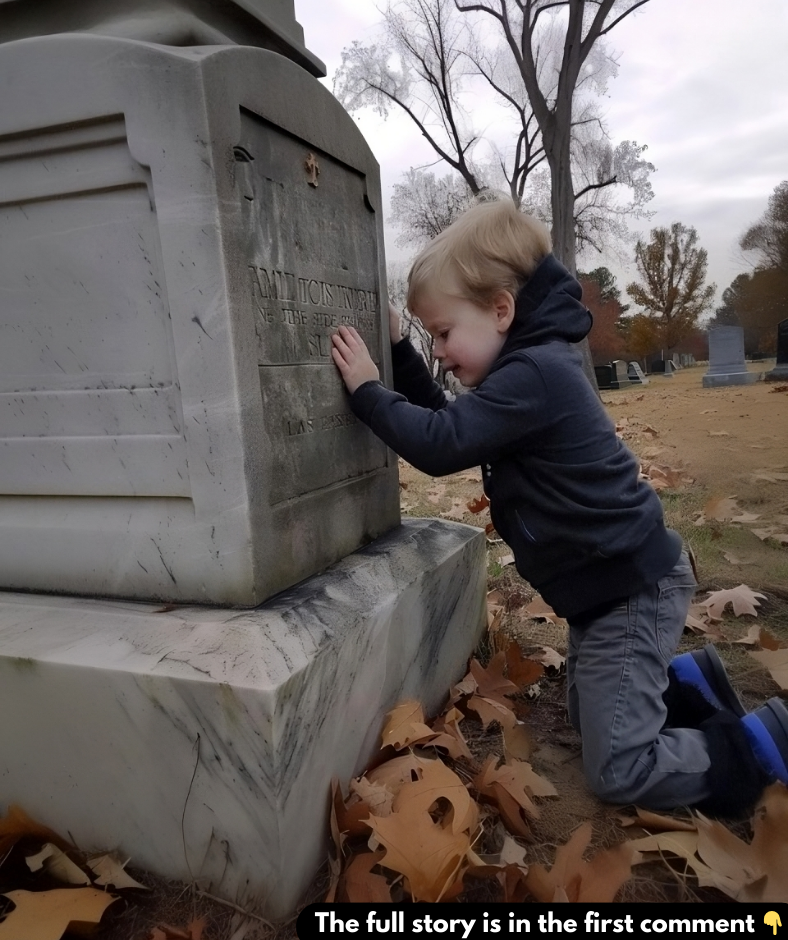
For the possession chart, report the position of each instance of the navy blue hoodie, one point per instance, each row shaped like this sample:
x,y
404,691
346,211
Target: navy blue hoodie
x,y
564,490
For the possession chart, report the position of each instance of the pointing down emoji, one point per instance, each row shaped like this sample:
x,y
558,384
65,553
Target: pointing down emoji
x,y
772,918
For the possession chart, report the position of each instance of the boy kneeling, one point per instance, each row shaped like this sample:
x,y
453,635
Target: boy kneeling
x,y
565,495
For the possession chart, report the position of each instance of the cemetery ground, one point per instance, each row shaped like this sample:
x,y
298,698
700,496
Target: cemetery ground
x,y
719,458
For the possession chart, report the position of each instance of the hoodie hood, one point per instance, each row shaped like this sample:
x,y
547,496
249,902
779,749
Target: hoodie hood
x,y
548,308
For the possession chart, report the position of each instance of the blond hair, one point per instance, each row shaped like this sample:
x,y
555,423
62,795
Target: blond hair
x,y
491,247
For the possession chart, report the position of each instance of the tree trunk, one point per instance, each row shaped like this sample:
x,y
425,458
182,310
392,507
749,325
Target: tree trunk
x,y
563,232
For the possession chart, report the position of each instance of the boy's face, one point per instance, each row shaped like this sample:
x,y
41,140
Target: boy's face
x,y
467,337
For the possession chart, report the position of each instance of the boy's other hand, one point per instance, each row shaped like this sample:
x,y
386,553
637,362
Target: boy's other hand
x,y
352,358
395,325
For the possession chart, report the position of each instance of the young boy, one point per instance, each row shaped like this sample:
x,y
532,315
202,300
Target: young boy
x,y
565,494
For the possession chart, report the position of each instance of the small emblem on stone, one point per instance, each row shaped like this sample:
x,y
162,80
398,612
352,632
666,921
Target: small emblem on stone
x,y
312,168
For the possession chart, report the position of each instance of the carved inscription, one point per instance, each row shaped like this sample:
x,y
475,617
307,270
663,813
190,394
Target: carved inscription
x,y
295,316
308,425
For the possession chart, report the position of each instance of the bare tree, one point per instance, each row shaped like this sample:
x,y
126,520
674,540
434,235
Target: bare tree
x,y
584,23
423,205
674,293
428,39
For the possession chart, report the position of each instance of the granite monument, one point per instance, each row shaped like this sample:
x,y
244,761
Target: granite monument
x,y
726,358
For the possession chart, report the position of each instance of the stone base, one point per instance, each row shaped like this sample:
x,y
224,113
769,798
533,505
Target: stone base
x,y
778,374
711,380
202,741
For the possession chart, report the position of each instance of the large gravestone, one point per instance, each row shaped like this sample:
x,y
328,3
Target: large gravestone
x,y
780,371
183,227
726,358
182,230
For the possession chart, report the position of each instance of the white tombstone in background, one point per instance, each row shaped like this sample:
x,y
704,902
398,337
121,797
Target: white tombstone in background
x,y
726,358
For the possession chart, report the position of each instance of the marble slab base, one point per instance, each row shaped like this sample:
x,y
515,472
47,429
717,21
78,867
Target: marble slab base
x,y
202,741
778,374
730,378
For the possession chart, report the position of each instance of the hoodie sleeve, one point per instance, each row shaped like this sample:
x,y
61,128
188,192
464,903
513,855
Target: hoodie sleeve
x,y
480,426
412,377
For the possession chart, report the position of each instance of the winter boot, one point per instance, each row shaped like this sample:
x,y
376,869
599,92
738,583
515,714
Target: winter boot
x,y
767,730
698,688
736,777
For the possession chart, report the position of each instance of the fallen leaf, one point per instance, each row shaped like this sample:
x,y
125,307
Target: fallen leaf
x,y
505,560
429,855
17,825
776,661
56,863
720,509
742,598
512,853
47,915
491,682
759,636
449,724
573,879
550,658
439,782
359,884
377,796
489,710
539,609
405,725
517,742
521,670
656,821
479,504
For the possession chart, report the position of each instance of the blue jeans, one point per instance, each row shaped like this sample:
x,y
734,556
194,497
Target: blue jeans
x,y
616,675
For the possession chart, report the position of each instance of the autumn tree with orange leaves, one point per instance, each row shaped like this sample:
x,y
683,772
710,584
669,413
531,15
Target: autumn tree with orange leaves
x,y
601,296
673,292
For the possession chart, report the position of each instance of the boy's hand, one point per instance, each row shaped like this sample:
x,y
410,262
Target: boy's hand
x,y
395,325
352,358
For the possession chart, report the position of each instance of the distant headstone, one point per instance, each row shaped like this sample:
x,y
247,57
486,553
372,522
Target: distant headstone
x,y
620,374
604,376
780,372
726,358
662,367
635,374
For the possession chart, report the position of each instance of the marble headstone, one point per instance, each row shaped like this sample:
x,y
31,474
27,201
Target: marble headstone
x,y
182,230
780,370
726,358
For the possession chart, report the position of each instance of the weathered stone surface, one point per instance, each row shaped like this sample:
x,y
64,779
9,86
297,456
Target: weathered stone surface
x,y
726,358
269,24
202,741
182,230
780,371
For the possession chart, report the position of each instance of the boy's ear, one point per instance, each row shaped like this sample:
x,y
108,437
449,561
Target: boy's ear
x,y
503,308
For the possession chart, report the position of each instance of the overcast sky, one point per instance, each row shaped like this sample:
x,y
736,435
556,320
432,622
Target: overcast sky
x,y
703,82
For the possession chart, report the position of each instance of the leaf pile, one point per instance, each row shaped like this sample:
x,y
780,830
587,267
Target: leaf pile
x,y
745,871
411,826
35,865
